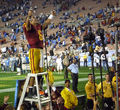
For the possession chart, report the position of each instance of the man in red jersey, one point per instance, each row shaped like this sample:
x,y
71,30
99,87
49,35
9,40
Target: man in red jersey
x,y
33,32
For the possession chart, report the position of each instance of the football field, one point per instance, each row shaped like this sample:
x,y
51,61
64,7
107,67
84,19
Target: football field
x,y
8,81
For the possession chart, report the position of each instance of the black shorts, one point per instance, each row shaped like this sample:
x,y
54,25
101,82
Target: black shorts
x,y
89,104
108,104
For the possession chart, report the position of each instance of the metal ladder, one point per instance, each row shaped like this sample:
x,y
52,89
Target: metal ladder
x,y
39,99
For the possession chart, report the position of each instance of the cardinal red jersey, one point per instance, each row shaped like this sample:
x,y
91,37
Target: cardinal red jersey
x,y
34,36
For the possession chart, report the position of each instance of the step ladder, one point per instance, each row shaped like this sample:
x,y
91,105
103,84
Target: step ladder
x,y
40,99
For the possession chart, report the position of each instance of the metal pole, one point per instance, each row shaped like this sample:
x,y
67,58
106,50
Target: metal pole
x,y
101,77
116,51
93,72
92,62
45,35
92,58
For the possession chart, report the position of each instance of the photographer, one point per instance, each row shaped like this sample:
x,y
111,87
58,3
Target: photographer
x,y
107,93
70,99
89,88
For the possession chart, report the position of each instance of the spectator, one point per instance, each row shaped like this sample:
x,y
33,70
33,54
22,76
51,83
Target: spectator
x,y
25,106
112,73
5,103
7,64
113,60
51,52
9,107
64,43
96,59
66,64
57,100
19,65
59,64
104,62
85,60
13,66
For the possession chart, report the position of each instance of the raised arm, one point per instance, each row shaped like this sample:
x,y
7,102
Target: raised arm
x,y
28,25
48,21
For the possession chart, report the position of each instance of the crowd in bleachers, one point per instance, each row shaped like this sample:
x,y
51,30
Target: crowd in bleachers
x,y
11,9
73,29
65,29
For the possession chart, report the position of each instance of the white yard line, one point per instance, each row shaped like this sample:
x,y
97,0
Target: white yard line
x,y
55,84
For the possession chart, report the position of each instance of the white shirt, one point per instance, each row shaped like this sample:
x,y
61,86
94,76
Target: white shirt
x,y
102,57
59,61
73,68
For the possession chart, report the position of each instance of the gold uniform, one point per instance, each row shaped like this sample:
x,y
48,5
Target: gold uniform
x,y
70,99
106,89
89,88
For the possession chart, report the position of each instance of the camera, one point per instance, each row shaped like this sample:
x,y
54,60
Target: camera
x,y
89,37
100,32
102,52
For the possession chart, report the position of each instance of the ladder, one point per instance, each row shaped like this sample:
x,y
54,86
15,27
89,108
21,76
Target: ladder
x,y
39,99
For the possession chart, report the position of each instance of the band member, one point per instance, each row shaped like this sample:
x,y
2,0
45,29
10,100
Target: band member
x,y
33,33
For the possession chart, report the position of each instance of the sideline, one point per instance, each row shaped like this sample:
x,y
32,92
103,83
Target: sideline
x,y
55,84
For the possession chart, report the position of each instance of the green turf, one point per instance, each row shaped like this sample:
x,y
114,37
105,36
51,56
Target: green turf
x,y
8,80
